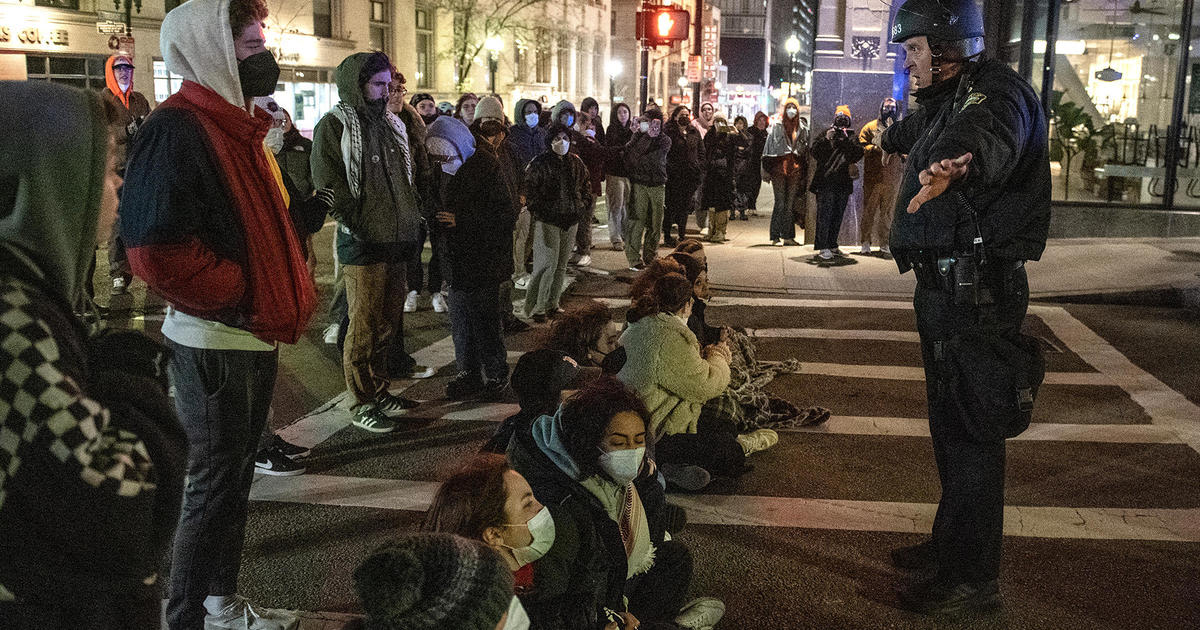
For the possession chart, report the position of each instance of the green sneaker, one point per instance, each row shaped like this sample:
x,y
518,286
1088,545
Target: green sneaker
x,y
371,418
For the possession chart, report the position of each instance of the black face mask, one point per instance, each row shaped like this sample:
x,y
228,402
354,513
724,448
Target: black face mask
x,y
889,114
841,122
258,73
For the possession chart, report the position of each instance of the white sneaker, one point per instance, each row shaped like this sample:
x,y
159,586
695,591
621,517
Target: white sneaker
x,y
759,440
704,232
865,250
522,282
242,615
826,254
439,302
584,261
701,614
410,302
331,333
837,251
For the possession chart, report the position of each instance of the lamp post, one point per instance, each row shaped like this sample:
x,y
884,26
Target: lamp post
x,y
683,83
792,45
494,45
614,71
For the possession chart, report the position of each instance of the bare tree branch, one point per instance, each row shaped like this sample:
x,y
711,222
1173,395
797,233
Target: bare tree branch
x,y
475,21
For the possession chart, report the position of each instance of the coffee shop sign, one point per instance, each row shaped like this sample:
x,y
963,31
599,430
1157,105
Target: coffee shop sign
x,y
34,36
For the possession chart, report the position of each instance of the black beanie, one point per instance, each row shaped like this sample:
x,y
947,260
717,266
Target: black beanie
x,y
419,97
434,582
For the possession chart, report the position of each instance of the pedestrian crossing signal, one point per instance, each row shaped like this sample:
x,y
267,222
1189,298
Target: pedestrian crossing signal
x,y
661,26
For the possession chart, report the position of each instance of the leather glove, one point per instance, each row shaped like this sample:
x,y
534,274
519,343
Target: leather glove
x,y
325,196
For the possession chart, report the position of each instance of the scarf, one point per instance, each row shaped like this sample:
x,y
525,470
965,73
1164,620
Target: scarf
x,y
352,143
623,505
280,294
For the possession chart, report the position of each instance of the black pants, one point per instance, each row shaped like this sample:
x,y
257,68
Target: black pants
x,y
655,597
222,397
678,205
831,208
968,528
477,328
416,270
713,447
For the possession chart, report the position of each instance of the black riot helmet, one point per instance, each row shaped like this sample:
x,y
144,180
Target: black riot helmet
x,y
945,20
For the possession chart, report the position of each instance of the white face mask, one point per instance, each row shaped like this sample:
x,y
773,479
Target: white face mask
x,y
531,120
791,113
274,139
541,528
591,133
124,85
623,465
517,618
560,146
643,126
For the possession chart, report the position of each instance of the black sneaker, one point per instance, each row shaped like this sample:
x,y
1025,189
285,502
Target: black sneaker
x,y
689,478
392,405
940,597
493,390
463,386
919,557
293,451
272,461
670,241
370,418
513,325
539,318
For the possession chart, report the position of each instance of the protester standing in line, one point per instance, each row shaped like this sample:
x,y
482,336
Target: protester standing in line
x,y
836,152
685,165
616,180
785,160
425,105
133,109
372,175
94,464
595,156
590,107
556,189
526,140
205,218
750,179
977,154
646,156
464,110
721,146
881,180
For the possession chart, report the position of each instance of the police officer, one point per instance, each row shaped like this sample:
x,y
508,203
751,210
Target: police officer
x,y
974,202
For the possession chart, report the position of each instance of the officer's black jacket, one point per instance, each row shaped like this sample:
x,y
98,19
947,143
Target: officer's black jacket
x,y
992,113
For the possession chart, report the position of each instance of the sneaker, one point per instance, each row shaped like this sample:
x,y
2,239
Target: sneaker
x,y
759,440
410,302
331,333
119,285
921,557
826,254
865,250
242,615
419,372
522,282
464,386
701,614
776,242
637,267
513,325
370,418
439,302
690,478
942,597
493,390
837,251
272,461
392,405
539,318
791,242
293,451
584,261
670,241
704,232
618,246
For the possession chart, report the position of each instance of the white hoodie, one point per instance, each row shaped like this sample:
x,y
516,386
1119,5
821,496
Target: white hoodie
x,y
197,44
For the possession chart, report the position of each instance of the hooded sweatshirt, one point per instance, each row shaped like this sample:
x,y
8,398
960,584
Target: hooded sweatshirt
x,y
365,158
786,149
525,142
204,213
132,106
93,465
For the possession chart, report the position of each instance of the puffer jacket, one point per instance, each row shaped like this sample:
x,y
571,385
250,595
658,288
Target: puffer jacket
x,y
557,188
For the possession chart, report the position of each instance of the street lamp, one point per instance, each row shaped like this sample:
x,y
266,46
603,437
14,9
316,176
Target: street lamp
x,y
494,45
614,71
792,45
683,83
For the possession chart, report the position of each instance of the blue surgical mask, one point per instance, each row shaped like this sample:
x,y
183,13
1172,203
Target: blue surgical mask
x,y
623,465
531,120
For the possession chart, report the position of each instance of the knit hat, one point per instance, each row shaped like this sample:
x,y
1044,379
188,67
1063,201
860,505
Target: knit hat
x,y
448,129
489,108
843,109
420,97
434,582
543,371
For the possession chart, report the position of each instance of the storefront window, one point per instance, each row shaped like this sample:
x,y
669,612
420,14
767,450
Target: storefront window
x,y
323,18
424,27
58,4
85,72
307,94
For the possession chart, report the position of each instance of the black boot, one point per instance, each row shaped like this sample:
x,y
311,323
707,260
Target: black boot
x,y
947,597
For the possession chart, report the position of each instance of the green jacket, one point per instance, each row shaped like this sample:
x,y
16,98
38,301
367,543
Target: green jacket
x,y
665,367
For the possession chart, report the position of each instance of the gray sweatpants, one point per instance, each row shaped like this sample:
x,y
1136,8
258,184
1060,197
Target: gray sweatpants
x,y
551,250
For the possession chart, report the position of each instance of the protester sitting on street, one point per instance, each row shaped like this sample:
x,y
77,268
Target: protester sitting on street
x,y
685,169
464,110
785,160
642,288
93,456
616,181
437,582
557,189
538,379
478,216
589,461
721,145
586,332
646,164
836,153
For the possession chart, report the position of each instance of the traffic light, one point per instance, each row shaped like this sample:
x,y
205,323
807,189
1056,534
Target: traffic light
x,y
660,26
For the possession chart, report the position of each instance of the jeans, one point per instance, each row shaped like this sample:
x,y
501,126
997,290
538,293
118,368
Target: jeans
x,y
789,194
416,271
118,260
375,304
222,397
522,242
645,220
616,196
551,249
657,595
969,525
831,207
476,326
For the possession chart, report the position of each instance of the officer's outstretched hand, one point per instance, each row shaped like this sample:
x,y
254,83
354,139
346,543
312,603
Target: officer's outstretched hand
x,y
937,178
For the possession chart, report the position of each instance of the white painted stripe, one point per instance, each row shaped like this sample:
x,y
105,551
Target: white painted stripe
x,y
1036,522
831,333
784,302
1037,431
1165,406
903,373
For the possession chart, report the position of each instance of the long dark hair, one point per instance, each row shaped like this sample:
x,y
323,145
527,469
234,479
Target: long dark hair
x,y
587,414
471,500
578,328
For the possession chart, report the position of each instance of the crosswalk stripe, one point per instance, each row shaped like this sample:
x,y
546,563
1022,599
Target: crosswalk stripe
x,y
1035,522
784,302
1037,431
903,373
832,333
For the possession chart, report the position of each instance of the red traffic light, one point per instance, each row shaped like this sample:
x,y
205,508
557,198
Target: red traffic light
x,y
662,25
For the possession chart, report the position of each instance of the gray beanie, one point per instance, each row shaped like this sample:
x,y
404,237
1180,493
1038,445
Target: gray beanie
x,y
434,582
489,107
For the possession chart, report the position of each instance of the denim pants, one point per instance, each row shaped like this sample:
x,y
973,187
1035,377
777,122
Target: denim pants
x,y
789,195
616,197
831,208
551,250
583,236
222,397
476,326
